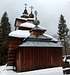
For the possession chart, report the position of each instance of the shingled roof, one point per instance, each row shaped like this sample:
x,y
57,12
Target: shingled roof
x,y
41,41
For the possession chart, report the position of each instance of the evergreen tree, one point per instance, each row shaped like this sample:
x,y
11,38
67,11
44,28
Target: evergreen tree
x,y
63,33
62,28
5,31
5,25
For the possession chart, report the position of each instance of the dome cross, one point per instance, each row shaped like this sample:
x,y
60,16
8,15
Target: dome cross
x,y
31,8
25,5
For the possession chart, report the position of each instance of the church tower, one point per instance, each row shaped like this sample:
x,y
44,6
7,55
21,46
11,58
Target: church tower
x,y
25,17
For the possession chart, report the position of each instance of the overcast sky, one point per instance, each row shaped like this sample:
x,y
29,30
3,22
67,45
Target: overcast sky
x,y
49,11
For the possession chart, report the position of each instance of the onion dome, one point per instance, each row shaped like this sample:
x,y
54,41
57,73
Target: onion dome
x,y
31,15
25,13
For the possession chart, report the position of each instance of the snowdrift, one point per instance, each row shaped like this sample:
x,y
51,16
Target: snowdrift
x,y
49,71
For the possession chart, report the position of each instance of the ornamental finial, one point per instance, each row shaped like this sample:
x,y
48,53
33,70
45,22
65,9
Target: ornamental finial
x,y
31,7
36,22
36,13
25,5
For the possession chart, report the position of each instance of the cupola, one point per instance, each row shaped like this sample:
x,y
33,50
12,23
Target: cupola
x,y
25,13
31,15
37,31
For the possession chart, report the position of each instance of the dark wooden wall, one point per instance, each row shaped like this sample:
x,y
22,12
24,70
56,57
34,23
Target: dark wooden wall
x,y
12,47
37,58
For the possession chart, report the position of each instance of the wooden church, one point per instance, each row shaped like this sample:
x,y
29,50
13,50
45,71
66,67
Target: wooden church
x,y
29,48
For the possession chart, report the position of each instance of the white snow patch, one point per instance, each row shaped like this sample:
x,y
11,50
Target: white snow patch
x,y
19,33
30,18
68,68
3,68
22,18
25,18
49,71
10,72
54,39
27,24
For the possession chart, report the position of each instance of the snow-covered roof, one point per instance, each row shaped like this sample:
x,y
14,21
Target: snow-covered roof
x,y
30,18
19,33
40,44
49,36
30,25
27,24
25,18
22,18
41,41
25,14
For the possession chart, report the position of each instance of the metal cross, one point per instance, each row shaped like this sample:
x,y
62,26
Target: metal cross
x,y
36,13
31,8
25,5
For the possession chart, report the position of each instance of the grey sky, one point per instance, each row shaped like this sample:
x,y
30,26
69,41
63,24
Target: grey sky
x,y
49,11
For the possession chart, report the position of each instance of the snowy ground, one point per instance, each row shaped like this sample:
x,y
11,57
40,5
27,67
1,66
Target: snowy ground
x,y
6,70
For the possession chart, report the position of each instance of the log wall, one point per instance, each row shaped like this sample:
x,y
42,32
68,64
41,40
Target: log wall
x,y
37,58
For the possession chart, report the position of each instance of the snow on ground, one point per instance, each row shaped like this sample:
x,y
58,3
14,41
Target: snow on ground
x,y
3,68
50,71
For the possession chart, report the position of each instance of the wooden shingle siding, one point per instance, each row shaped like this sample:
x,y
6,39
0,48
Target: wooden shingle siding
x,y
37,58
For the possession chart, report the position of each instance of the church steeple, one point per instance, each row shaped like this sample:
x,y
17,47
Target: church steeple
x,y
31,15
25,13
25,10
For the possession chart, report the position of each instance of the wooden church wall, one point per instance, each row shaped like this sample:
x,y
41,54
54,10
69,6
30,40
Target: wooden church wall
x,y
12,47
14,42
37,58
19,21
